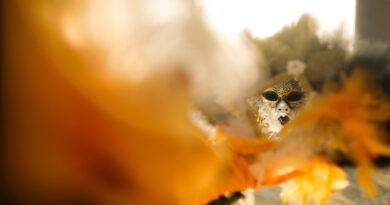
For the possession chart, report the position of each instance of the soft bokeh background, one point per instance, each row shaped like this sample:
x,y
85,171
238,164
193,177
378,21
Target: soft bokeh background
x,y
96,93
265,18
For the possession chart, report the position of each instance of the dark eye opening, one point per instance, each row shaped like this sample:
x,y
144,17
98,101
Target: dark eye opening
x,y
270,95
294,96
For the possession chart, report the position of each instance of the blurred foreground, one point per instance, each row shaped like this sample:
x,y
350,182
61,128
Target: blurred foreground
x,y
96,110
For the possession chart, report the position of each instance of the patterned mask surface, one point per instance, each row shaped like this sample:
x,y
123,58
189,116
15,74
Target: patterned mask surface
x,y
277,104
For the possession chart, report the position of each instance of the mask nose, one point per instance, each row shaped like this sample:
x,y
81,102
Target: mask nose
x,y
283,108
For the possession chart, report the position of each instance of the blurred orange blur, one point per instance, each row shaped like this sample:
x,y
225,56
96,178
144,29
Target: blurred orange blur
x,y
77,136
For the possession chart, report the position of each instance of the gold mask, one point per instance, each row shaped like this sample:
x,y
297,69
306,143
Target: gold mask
x,y
278,102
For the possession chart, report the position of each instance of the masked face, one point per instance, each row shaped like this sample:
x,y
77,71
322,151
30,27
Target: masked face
x,y
278,104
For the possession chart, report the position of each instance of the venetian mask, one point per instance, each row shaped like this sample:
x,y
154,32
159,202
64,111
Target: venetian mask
x,y
277,104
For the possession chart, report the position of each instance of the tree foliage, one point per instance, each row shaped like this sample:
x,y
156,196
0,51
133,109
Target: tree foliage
x,y
325,56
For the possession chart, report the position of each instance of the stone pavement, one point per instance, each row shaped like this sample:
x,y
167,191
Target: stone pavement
x,y
352,195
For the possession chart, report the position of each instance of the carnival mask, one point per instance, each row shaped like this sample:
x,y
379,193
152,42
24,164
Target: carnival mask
x,y
277,104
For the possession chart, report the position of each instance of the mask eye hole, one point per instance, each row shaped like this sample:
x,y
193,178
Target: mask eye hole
x,y
294,96
270,95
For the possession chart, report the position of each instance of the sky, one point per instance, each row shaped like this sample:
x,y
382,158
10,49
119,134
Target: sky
x,y
263,18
